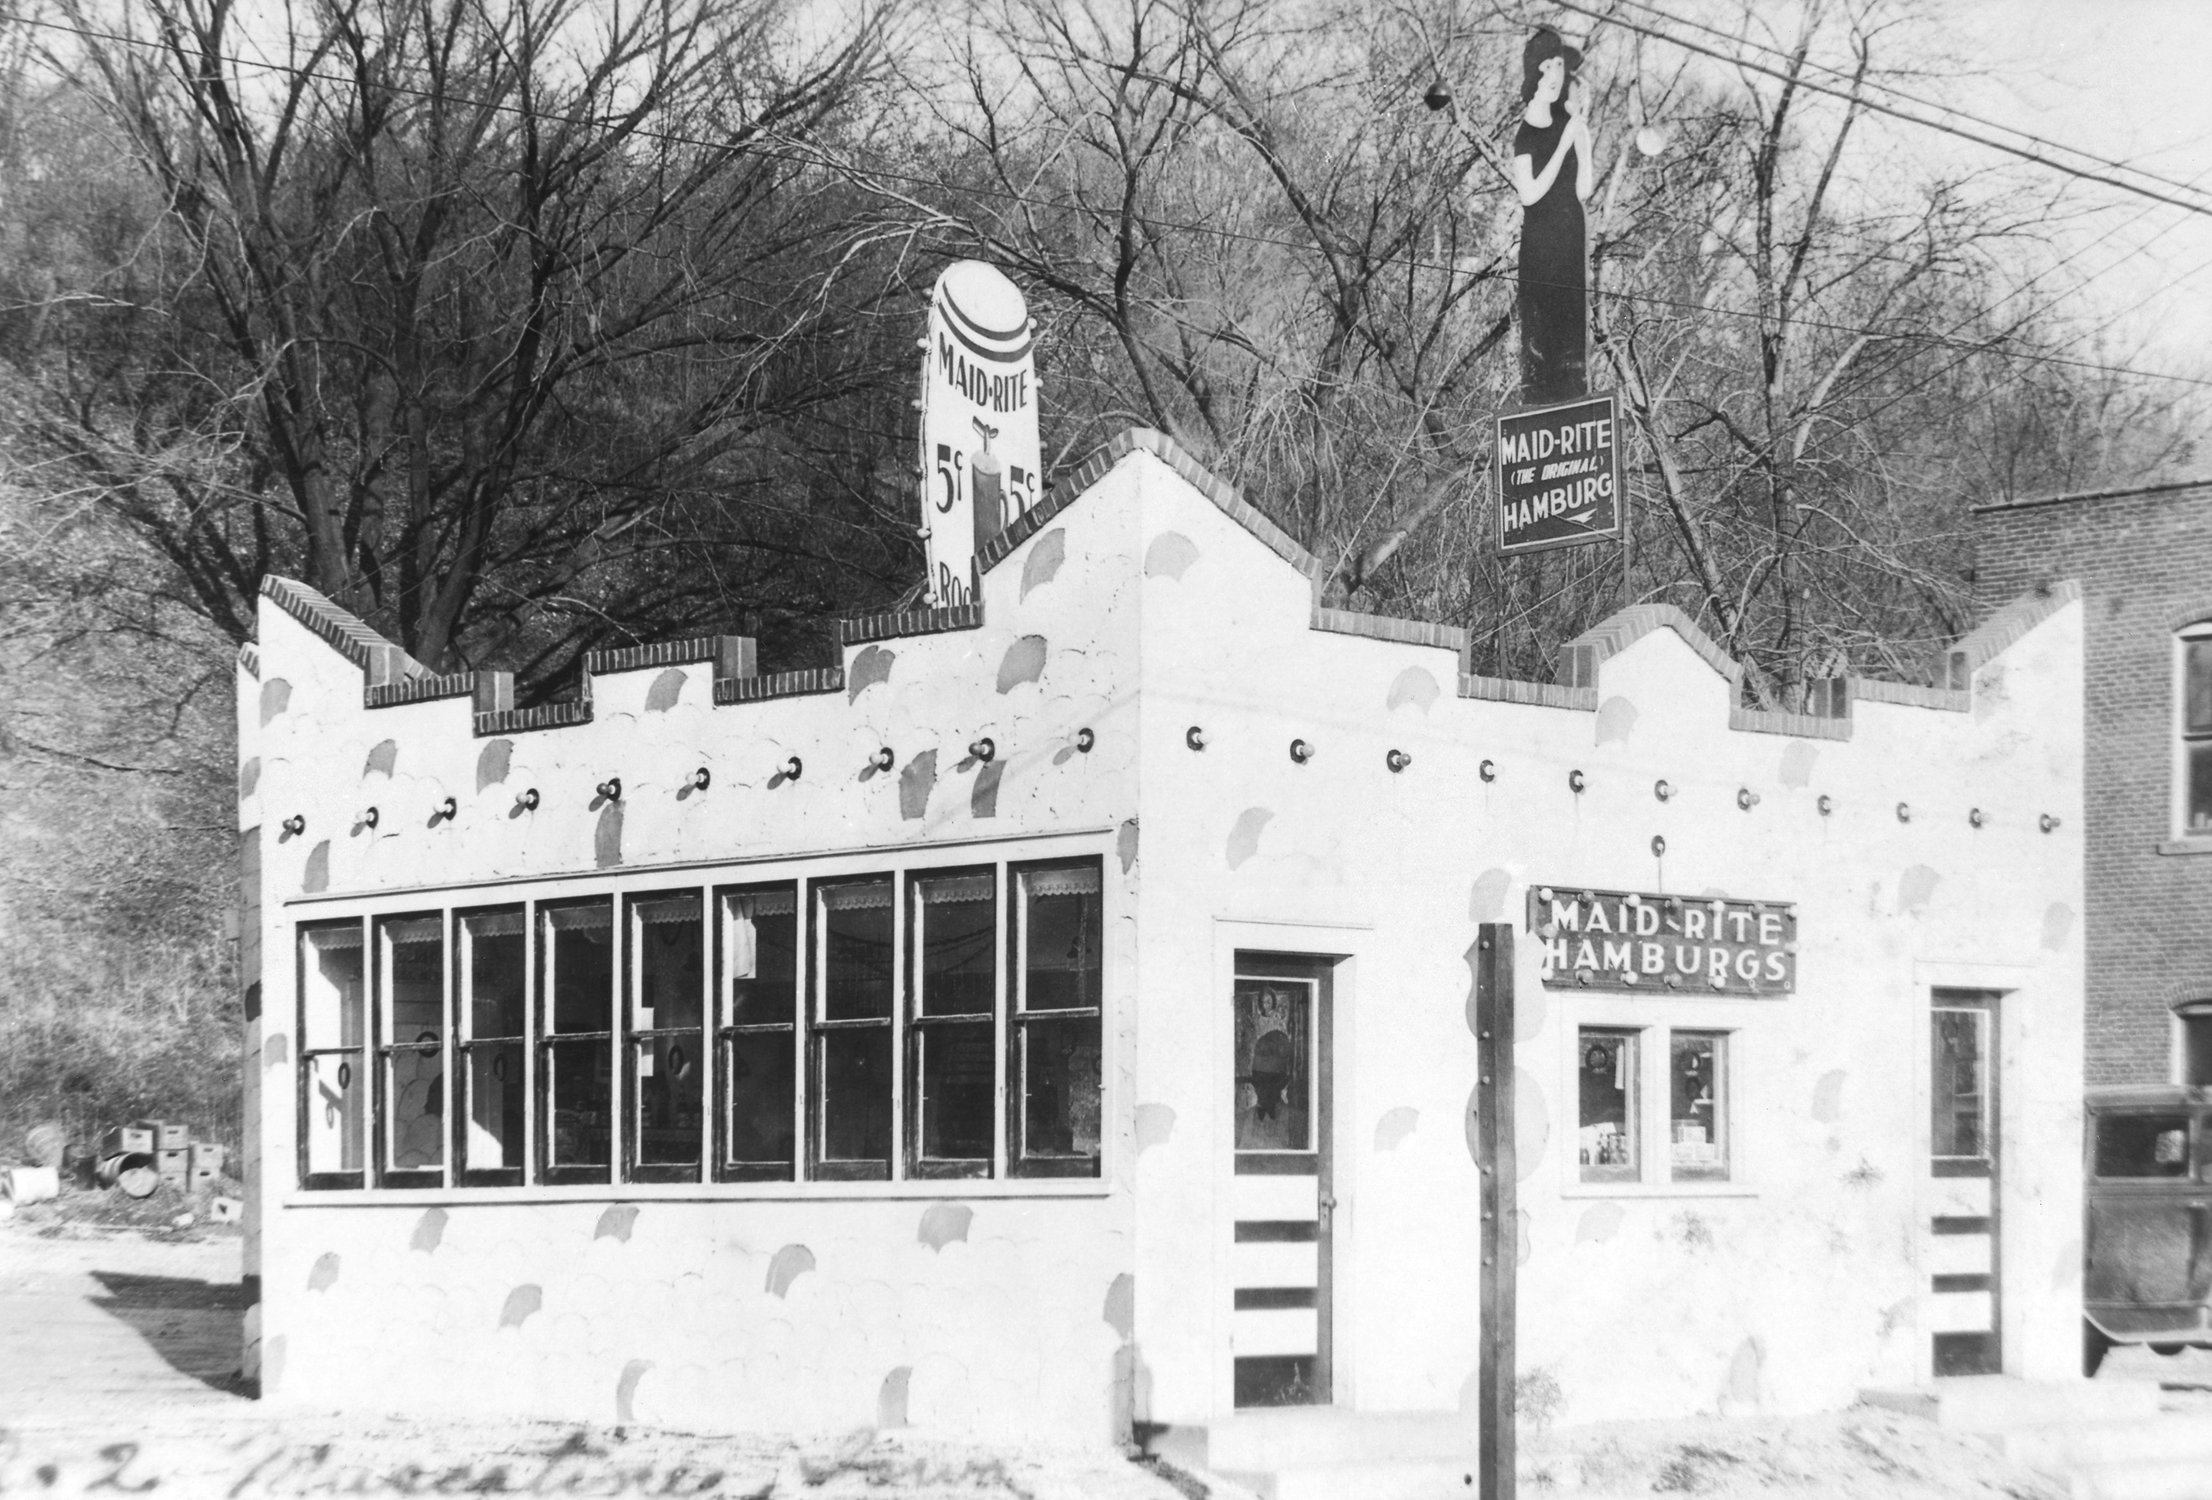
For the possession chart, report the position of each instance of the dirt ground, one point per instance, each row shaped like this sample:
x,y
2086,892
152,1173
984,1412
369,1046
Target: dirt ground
x,y
118,1359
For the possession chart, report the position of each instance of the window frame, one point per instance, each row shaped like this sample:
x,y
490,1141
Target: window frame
x,y
384,1044
545,1038
820,1027
1722,1088
527,902
919,1024
632,1038
2193,1041
1021,1163
363,1050
1637,1170
793,1028
2184,739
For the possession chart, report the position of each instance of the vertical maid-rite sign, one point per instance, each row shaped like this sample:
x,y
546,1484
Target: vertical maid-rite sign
x,y
980,452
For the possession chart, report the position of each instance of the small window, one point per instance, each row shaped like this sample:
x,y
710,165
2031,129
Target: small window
x,y
2143,1145
2195,1043
411,1037
1697,1091
1054,1028
1959,1091
952,1039
2194,773
576,1041
758,1025
855,944
1608,1141
491,964
666,979
333,1073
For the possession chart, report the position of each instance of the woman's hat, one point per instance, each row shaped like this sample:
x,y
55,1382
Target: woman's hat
x,y
1542,47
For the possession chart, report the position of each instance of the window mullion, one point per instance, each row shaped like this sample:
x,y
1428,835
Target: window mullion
x,y
900,921
1001,994
532,1082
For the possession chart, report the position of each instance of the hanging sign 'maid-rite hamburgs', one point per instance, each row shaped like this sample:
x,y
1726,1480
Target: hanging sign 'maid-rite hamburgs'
x,y
980,451
1559,475
1630,940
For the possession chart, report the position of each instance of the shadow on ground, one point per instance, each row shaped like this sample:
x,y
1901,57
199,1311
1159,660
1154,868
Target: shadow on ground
x,y
196,1326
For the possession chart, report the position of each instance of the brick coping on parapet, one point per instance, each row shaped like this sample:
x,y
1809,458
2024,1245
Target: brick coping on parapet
x,y
2068,497
393,678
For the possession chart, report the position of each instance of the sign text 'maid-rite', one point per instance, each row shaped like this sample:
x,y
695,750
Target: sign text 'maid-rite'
x,y
1559,475
1640,941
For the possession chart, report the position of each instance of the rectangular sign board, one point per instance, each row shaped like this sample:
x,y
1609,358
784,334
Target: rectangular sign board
x,y
1633,940
1559,475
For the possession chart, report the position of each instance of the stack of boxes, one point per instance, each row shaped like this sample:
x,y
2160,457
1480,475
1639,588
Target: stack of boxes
x,y
185,1164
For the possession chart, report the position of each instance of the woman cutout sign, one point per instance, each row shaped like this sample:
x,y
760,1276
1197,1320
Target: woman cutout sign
x,y
1551,173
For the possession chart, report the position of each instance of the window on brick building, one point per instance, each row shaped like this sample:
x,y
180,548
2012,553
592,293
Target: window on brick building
x,y
2193,767
2193,1042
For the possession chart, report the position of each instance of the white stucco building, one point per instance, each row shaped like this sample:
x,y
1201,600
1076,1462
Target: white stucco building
x,y
1055,1015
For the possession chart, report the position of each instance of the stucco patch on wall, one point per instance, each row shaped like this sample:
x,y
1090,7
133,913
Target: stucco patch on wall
x,y
1531,1123
606,839
1616,721
382,758
1797,763
1743,1385
871,665
791,1262
1828,1097
324,1274
1024,662
276,1051
1170,555
1120,1310
1599,1223
2066,1269
249,776
1523,1247
272,1364
276,697
943,1223
492,763
1415,686
317,875
891,1397
1155,1125
983,796
1915,888
1125,844
429,1231
615,1222
915,784
2058,925
665,691
1486,898
1044,560
1395,1125
1244,838
521,1303
625,1390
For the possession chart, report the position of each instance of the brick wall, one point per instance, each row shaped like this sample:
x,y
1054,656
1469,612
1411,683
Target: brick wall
x,y
2143,559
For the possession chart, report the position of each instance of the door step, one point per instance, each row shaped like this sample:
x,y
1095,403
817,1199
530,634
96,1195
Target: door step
x,y
1325,1453
1999,1403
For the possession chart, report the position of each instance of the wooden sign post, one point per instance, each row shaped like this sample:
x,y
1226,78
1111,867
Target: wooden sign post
x,y
1500,1211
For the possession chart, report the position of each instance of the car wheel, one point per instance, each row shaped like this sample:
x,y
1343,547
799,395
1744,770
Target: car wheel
x,y
2094,1347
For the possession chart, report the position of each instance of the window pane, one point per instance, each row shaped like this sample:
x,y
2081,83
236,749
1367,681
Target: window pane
x,y
334,1091
760,949
577,946
2200,788
330,987
2196,1048
493,1077
668,1111
856,1095
958,1085
1957,1069
579,1100
1060,1089
1059,929
2197,690
1608,1138
411,961
1697,1106
669,958
493,964
758,1066
856,983
2143,1146
1274,1071
956,941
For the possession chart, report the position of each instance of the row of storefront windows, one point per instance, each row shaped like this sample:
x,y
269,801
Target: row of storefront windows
x,y
856,1028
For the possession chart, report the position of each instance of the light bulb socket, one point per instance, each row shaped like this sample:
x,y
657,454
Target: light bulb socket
x,y
1662,789
448,810
792,768
2047,823
1746,798
1397,760
1301,751
701,779
1085,739
1658,844
983,750
1904,812
1826,804
295,825
528,801
1974,817
885,759
368,817
1195,737
1488,770
611,789
1576,781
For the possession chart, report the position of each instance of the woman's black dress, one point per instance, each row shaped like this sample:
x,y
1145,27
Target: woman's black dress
x,y
1554,277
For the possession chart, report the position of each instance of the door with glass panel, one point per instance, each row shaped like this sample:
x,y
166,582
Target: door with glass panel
x,y
1281,1191
1960,1298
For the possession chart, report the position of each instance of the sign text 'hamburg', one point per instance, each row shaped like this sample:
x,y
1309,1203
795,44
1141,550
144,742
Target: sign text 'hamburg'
x,y
1559,475
1627,940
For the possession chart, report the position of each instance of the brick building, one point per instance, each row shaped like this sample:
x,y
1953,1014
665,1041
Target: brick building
x,y
2143,559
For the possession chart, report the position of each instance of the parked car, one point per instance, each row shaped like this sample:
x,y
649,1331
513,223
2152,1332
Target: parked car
x,y
2148,1242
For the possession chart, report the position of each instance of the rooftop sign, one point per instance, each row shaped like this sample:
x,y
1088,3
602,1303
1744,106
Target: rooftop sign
x,y
980,449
